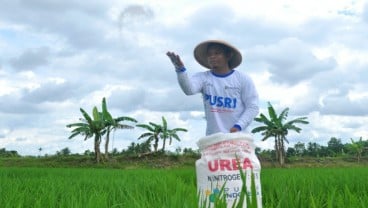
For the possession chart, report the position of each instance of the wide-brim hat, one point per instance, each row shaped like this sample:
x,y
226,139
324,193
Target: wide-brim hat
x,y
200,53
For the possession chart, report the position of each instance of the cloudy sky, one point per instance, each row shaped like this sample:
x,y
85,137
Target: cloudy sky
x,y
58,56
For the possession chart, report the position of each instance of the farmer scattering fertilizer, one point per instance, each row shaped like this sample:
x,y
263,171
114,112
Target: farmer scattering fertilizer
x,y
229,96
230,104
223,156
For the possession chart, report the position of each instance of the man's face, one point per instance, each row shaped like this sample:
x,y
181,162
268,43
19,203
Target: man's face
x,y
216,57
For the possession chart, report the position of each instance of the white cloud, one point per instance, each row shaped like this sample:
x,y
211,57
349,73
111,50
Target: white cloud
x,y
290,61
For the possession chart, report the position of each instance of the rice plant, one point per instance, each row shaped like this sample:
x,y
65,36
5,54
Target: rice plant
x,y
175,188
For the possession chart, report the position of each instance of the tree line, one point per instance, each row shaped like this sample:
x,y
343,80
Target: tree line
x,y
101,124
334,148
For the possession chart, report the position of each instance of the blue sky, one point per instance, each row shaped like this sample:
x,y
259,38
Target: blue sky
x,y
58,56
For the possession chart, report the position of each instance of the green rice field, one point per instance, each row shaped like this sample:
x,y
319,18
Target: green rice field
x,y
174,188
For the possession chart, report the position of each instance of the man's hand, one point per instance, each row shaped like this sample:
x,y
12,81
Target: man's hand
x,y
175,59
232,130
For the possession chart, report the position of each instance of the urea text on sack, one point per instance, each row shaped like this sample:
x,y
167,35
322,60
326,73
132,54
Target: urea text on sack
x,y
228,164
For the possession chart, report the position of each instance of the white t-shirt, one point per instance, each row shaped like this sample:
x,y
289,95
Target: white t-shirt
x,y
229,100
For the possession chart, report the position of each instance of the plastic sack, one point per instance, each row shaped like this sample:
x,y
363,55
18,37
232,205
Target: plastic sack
x,y
218,165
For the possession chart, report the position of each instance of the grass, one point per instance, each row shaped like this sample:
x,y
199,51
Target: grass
x,y
60,187
315,187
89,187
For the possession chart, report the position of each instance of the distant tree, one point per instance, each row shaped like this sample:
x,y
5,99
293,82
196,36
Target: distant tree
x,y
267,155
40,150
275,127
323,152
153,134
8,153
159,131
169,133
116,124
299,149
131,149
90,127
365,144
314,149
190,152
290,152
65,152
137,149
357,147
88,153
13,153
111,124
115,151
144,147
97,125
178,150
335,147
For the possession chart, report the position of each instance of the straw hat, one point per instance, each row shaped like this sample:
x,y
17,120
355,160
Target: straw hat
x,y
200,53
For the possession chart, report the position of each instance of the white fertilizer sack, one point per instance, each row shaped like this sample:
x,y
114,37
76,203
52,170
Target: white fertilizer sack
x,y
218,166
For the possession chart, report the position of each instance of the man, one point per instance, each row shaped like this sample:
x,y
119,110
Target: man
x,y
230,97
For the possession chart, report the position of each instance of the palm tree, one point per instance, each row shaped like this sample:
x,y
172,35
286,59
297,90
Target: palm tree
x,y
153,133
157,131
169,133
88,128
112,124
274,127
